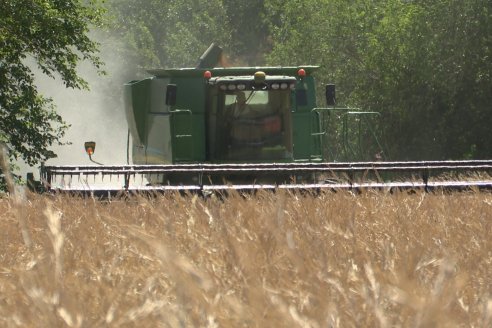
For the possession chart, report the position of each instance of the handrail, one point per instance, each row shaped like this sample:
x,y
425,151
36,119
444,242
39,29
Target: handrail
x,y
353,173
345,113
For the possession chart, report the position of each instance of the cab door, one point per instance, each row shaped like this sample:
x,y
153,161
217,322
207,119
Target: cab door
x,y
182,135
187,119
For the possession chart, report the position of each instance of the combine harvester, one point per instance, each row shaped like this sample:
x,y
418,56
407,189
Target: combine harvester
x,y
213,128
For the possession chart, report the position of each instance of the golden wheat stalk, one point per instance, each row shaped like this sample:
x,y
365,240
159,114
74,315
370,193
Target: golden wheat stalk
x,y
19,208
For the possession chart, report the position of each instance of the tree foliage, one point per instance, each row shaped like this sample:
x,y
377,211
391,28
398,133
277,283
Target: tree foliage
x,y
175,33
53,35
425,65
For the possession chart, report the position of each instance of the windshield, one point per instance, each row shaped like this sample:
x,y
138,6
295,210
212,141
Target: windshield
x,y
251,97
251,125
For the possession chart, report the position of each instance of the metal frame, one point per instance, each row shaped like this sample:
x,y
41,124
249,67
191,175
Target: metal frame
x,y
346,113
335,175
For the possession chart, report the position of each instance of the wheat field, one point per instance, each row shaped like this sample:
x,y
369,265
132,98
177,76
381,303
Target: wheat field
x,y
281,259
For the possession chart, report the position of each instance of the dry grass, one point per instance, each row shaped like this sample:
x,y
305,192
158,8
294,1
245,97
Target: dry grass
x,y
285,260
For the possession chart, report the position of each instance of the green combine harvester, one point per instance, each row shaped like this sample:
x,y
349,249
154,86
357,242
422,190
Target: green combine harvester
x,y
224,115
216,128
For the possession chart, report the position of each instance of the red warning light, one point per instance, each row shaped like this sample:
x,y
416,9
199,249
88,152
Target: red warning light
x,y
207,74
301,72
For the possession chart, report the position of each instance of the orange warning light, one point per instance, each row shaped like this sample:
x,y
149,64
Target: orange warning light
x,y
90,146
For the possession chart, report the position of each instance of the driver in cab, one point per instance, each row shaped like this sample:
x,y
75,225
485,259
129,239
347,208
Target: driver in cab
x,y
240,109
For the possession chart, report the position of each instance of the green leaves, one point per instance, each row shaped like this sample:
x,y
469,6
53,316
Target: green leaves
x,y
53,34
425,65
175,33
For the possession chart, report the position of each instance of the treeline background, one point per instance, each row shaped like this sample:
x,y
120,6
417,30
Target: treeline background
x,y
424,65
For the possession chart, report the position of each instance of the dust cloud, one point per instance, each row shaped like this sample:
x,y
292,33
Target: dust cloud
x,y
94,115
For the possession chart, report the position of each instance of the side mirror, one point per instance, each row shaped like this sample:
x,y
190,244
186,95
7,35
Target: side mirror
x,y
171,92
330,95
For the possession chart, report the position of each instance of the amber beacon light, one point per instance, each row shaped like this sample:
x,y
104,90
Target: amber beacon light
x,y
90,147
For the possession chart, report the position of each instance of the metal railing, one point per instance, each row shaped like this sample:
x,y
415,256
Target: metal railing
x,y
421,174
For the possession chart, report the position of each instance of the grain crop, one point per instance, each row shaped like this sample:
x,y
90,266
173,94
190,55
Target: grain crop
x,y
372,259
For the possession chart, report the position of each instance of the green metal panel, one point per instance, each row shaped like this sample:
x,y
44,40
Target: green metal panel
x,y
306,124
307,141
301,135
188,129
317,134
188,120
182,135
191,93
307,84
